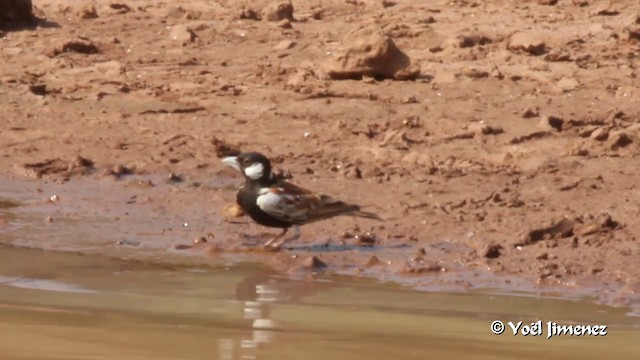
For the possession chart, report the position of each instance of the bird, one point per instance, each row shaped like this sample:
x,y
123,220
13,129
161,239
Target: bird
x,y
274,202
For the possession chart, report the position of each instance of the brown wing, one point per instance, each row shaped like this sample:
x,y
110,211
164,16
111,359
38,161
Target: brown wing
x,y
289,202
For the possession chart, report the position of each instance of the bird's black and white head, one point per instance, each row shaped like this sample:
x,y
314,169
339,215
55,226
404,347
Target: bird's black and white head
x,y
254,166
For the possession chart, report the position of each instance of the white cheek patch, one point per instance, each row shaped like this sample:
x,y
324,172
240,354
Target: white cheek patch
x,y
255,171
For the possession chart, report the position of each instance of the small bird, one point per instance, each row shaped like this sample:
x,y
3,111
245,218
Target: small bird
x,y
274,202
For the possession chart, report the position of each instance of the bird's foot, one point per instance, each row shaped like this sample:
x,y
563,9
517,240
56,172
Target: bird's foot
x,y
272,248
276,243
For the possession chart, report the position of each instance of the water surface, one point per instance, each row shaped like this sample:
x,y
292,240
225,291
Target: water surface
x,y
57,305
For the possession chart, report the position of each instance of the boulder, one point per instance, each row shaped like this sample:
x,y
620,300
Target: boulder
x,y
368,51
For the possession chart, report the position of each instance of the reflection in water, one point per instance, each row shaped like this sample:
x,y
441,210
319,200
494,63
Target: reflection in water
x,y
255,293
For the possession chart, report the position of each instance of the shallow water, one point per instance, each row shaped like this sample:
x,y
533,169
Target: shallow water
x,y
56,305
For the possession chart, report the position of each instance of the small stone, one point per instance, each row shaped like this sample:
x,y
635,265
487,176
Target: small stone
x,y
278,10
618,140
120,8
285,45
119,170
234,210
314,263
530,113
249,14
484,129
551,122
530,41
542,256
589,230
388,3
600,134
373,261
285,24
604,8
410,100
366,238
182,34
89,13
175,178
39,89
492,251
567,84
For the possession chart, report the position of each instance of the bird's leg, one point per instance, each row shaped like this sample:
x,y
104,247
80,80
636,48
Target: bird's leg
x,y
268,243
296,236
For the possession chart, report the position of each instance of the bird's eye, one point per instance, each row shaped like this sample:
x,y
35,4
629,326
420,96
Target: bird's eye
x,y
246,162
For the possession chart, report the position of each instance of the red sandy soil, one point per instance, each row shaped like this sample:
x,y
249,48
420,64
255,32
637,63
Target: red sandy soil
x,y
514,153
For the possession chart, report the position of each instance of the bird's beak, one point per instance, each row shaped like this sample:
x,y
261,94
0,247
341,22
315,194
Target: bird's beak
x,y
232,161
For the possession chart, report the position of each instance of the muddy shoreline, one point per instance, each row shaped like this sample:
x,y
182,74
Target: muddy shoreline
x,y
140,218
507,163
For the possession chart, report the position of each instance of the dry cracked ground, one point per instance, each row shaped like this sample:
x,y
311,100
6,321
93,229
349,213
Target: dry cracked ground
x,y
498,139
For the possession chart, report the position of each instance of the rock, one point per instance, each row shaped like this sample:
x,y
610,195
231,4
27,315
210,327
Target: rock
x,y
542,256
492,251
368,51
79,45
285,45
278,10
16,12
182,34
548,2
285,24
467,41
314,263
249,14
388,3
474,73
233,211
89,12
618,140
600,134
484,129
529,41
366,238
563,228
120,8
75,166
605,221
118,171
567,84
633,32
604,8
39,89
529,113
300,80
373,261
223,148
551,122
558,55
